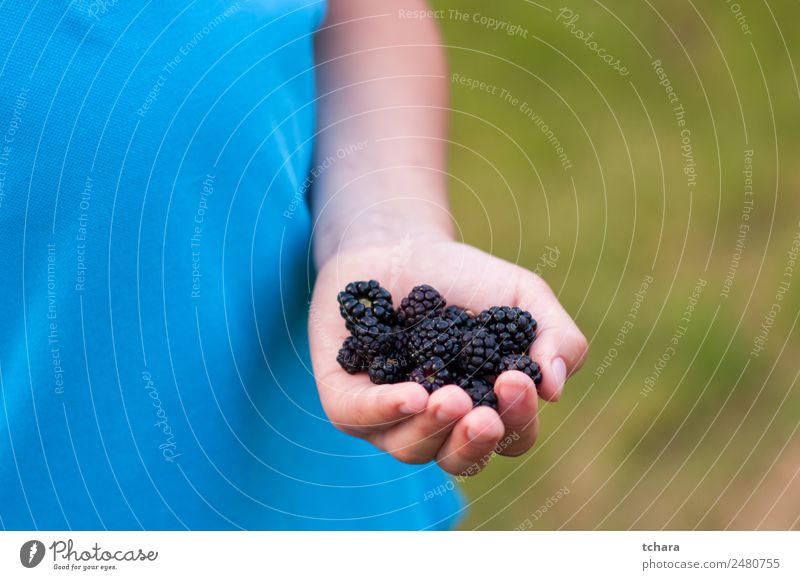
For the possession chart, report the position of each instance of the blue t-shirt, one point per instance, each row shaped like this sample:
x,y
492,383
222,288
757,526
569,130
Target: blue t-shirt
x,y
155,278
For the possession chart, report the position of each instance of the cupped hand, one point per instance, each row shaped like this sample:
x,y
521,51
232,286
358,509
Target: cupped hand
x,y
403,419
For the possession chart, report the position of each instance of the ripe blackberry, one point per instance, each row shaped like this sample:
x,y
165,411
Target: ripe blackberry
x,y
360,299
480,355
460,317
350,357
423,302
374,338
523,363
514,328
434,337
481,392
433,375
387,369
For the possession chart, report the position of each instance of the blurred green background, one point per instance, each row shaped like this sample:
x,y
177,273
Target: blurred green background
x,y
713,444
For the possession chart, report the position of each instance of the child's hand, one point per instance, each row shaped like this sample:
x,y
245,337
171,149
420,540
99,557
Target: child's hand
x,y
402,418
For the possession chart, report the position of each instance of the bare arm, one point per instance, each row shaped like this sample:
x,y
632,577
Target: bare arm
x,y
383,91
381,213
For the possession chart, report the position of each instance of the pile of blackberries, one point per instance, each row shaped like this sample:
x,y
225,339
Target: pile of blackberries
x,y
430,343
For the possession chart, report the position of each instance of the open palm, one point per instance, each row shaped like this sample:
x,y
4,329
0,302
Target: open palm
x,y
402,418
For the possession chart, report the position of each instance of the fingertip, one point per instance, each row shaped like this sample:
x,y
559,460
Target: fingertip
x,y
450,403
559,370
413,399
553,380
513,387
483,424
471,444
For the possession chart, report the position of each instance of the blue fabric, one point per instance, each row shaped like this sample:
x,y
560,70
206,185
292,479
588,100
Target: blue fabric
x,y
154,368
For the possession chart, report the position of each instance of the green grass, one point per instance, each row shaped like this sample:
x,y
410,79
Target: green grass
x,y
686,455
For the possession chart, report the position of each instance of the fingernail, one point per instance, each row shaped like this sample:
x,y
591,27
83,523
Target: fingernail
x,y
441,414
408,409
559,368
416,403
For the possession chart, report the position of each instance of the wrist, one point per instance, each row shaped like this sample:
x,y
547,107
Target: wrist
x,y
384,222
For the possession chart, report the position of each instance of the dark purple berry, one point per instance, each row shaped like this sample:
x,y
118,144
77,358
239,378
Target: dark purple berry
x,y
480,391
387,370
350,357
360,299
433,375
374,338
462,318
514,328
480,355
522,363
423,302
434,337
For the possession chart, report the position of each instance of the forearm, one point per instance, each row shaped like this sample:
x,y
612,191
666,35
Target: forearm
x,y
381,146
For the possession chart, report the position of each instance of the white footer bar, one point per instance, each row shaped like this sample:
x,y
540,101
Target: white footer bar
x,y
406,556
